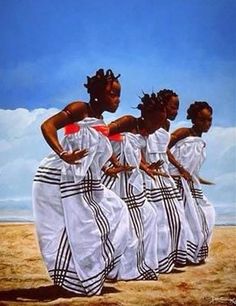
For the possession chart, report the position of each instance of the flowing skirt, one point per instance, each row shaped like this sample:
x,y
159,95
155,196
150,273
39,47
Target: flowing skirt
x,y
165,199
139,261
82,229
200,219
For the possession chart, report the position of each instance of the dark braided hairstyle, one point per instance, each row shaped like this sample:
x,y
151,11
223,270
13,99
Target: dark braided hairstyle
x,y
97,83
151,103
166,94
196,107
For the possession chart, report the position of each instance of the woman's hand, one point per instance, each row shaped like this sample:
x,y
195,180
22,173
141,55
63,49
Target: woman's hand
x,y
113,171
185,174
150,172
125,168
73,157
205,182
148,169
156,165
155,168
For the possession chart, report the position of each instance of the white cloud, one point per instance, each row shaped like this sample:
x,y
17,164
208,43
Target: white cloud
x,y
22,147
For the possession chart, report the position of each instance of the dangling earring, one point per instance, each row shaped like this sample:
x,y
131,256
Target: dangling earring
x,y
96,99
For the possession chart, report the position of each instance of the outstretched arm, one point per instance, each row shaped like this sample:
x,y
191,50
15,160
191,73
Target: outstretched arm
x,y
123,124
205,182
184,173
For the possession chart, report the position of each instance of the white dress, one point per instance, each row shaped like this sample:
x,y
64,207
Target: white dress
x,y
140,258
164,197
81,225
199,212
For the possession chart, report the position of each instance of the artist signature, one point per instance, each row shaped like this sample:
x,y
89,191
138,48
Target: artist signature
x,y
221,300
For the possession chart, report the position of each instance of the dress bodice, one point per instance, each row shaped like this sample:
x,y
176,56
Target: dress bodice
x,y
129,151
87,137
158,141
191,153
157,145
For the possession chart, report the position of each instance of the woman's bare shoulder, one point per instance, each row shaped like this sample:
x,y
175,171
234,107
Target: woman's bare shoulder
x,y
76,110
181,132
122,124
177,135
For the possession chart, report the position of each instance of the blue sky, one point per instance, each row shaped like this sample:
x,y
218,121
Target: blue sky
x,y
48,48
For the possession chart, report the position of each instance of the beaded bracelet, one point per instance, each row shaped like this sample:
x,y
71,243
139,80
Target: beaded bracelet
x,y
62,153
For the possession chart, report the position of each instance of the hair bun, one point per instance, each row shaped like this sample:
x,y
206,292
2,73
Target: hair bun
x,y
97,83
150,103
165,94
196,107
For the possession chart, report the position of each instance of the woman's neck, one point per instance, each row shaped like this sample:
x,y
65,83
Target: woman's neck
x,y
194,131
95,109
140,126
166,125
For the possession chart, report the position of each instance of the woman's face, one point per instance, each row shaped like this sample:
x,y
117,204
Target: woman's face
x,y
203,120
111,96
172,108
154,120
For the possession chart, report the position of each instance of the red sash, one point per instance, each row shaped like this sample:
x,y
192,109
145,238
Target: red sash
x,y
116,137
74,128
71,128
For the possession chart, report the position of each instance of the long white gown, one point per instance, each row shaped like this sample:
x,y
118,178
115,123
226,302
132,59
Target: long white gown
x,y
139,261
199,212
81,225
164,197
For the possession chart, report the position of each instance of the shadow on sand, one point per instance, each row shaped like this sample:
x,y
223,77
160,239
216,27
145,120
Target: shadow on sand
x,y
44,293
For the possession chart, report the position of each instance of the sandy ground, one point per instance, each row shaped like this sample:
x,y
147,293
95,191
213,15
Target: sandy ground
x,y
24,280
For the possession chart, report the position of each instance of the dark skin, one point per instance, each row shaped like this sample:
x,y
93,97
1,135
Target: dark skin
x,y
201,124
172,107
116,168
145,125
107,101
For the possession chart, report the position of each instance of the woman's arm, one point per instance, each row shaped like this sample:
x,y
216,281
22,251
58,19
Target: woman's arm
x,y
116,167
150,172
184,173
124,124
175,137
114,160
205,182
73,112
151,169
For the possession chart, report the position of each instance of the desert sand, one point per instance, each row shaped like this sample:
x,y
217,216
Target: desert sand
x,y
24,280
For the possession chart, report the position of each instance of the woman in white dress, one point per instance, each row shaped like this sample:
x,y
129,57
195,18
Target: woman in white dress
x,y
163,194
140,260
81,225
188,148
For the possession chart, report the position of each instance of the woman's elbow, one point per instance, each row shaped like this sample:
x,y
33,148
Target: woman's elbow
x,y
46,126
